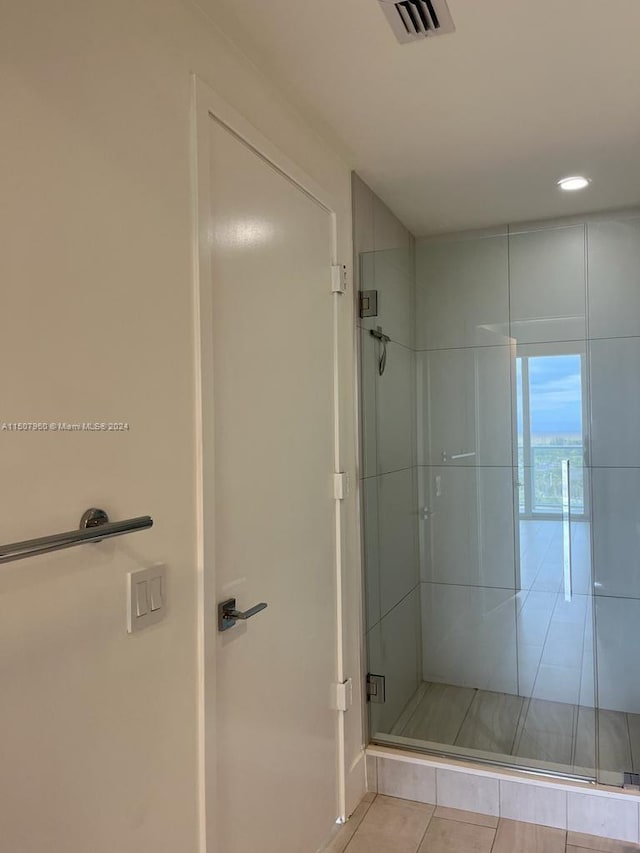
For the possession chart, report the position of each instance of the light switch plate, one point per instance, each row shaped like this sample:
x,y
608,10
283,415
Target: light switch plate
x,y
146,597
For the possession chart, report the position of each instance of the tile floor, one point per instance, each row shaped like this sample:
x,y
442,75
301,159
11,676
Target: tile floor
x,y
387,825
528,728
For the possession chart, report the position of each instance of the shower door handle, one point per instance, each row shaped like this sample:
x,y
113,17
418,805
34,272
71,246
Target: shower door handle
x,y
566,530
461,455
228,615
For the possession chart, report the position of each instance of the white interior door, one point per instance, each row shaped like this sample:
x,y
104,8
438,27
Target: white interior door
x,y
268,506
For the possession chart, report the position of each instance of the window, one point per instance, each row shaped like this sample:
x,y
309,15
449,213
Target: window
x,y
550,417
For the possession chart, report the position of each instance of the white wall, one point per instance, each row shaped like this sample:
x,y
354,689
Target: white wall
x,y
99,730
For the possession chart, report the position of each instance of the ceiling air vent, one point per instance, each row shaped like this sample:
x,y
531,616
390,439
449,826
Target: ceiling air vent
x,y
417,19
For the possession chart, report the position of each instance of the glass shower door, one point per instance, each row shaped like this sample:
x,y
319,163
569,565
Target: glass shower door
x,y
493,658
502,529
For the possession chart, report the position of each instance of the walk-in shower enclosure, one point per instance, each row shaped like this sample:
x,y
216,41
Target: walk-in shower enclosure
x,y
500,483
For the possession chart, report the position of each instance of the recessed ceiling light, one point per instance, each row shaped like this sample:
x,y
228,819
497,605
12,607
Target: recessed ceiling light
x,y
575,182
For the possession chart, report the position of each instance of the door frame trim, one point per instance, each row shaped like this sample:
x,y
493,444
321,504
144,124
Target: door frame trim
x,y
208,105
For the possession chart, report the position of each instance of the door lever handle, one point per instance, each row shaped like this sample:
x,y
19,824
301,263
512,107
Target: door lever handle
x,y
228,615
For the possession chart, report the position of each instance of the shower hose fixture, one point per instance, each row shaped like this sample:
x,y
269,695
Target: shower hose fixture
x,y
383,340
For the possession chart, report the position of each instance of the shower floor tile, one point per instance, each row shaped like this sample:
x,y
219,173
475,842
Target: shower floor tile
x,y
557,733
547,732
491,722
440,714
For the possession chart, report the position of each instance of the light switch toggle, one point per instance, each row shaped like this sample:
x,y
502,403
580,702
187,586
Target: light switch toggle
x,y
142,606
156,597
146,597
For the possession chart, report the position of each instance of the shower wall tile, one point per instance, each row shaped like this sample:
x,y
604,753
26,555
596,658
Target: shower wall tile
x,y
470,526
534,617
603,816
615,402
362,202
563,646
368,405
614,278
548,284
528,665
469,637
533,803
557,684
581,549
616,531
384,272
390,234
425,501
393,651
396,410
465,406
597,819
541,555
398,537
588,678
617,653
406,781
469,792
371,768
371,550
462,292
367,269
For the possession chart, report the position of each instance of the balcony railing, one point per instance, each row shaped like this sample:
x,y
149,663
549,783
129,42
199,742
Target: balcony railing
x,y
546,478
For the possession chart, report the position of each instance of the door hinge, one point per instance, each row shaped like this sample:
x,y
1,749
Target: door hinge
x,y
375,688
340,486
368,303
338,278
344,695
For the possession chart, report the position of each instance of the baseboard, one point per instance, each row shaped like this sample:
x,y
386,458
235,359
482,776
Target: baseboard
x,y
356,785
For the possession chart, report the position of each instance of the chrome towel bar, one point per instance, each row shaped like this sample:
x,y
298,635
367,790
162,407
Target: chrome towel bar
x,y
94,527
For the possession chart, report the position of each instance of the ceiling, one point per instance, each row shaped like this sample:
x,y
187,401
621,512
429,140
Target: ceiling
x,y
470,129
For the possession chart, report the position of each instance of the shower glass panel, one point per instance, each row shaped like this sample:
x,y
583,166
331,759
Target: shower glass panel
x,y
501,491
613,251
389,482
